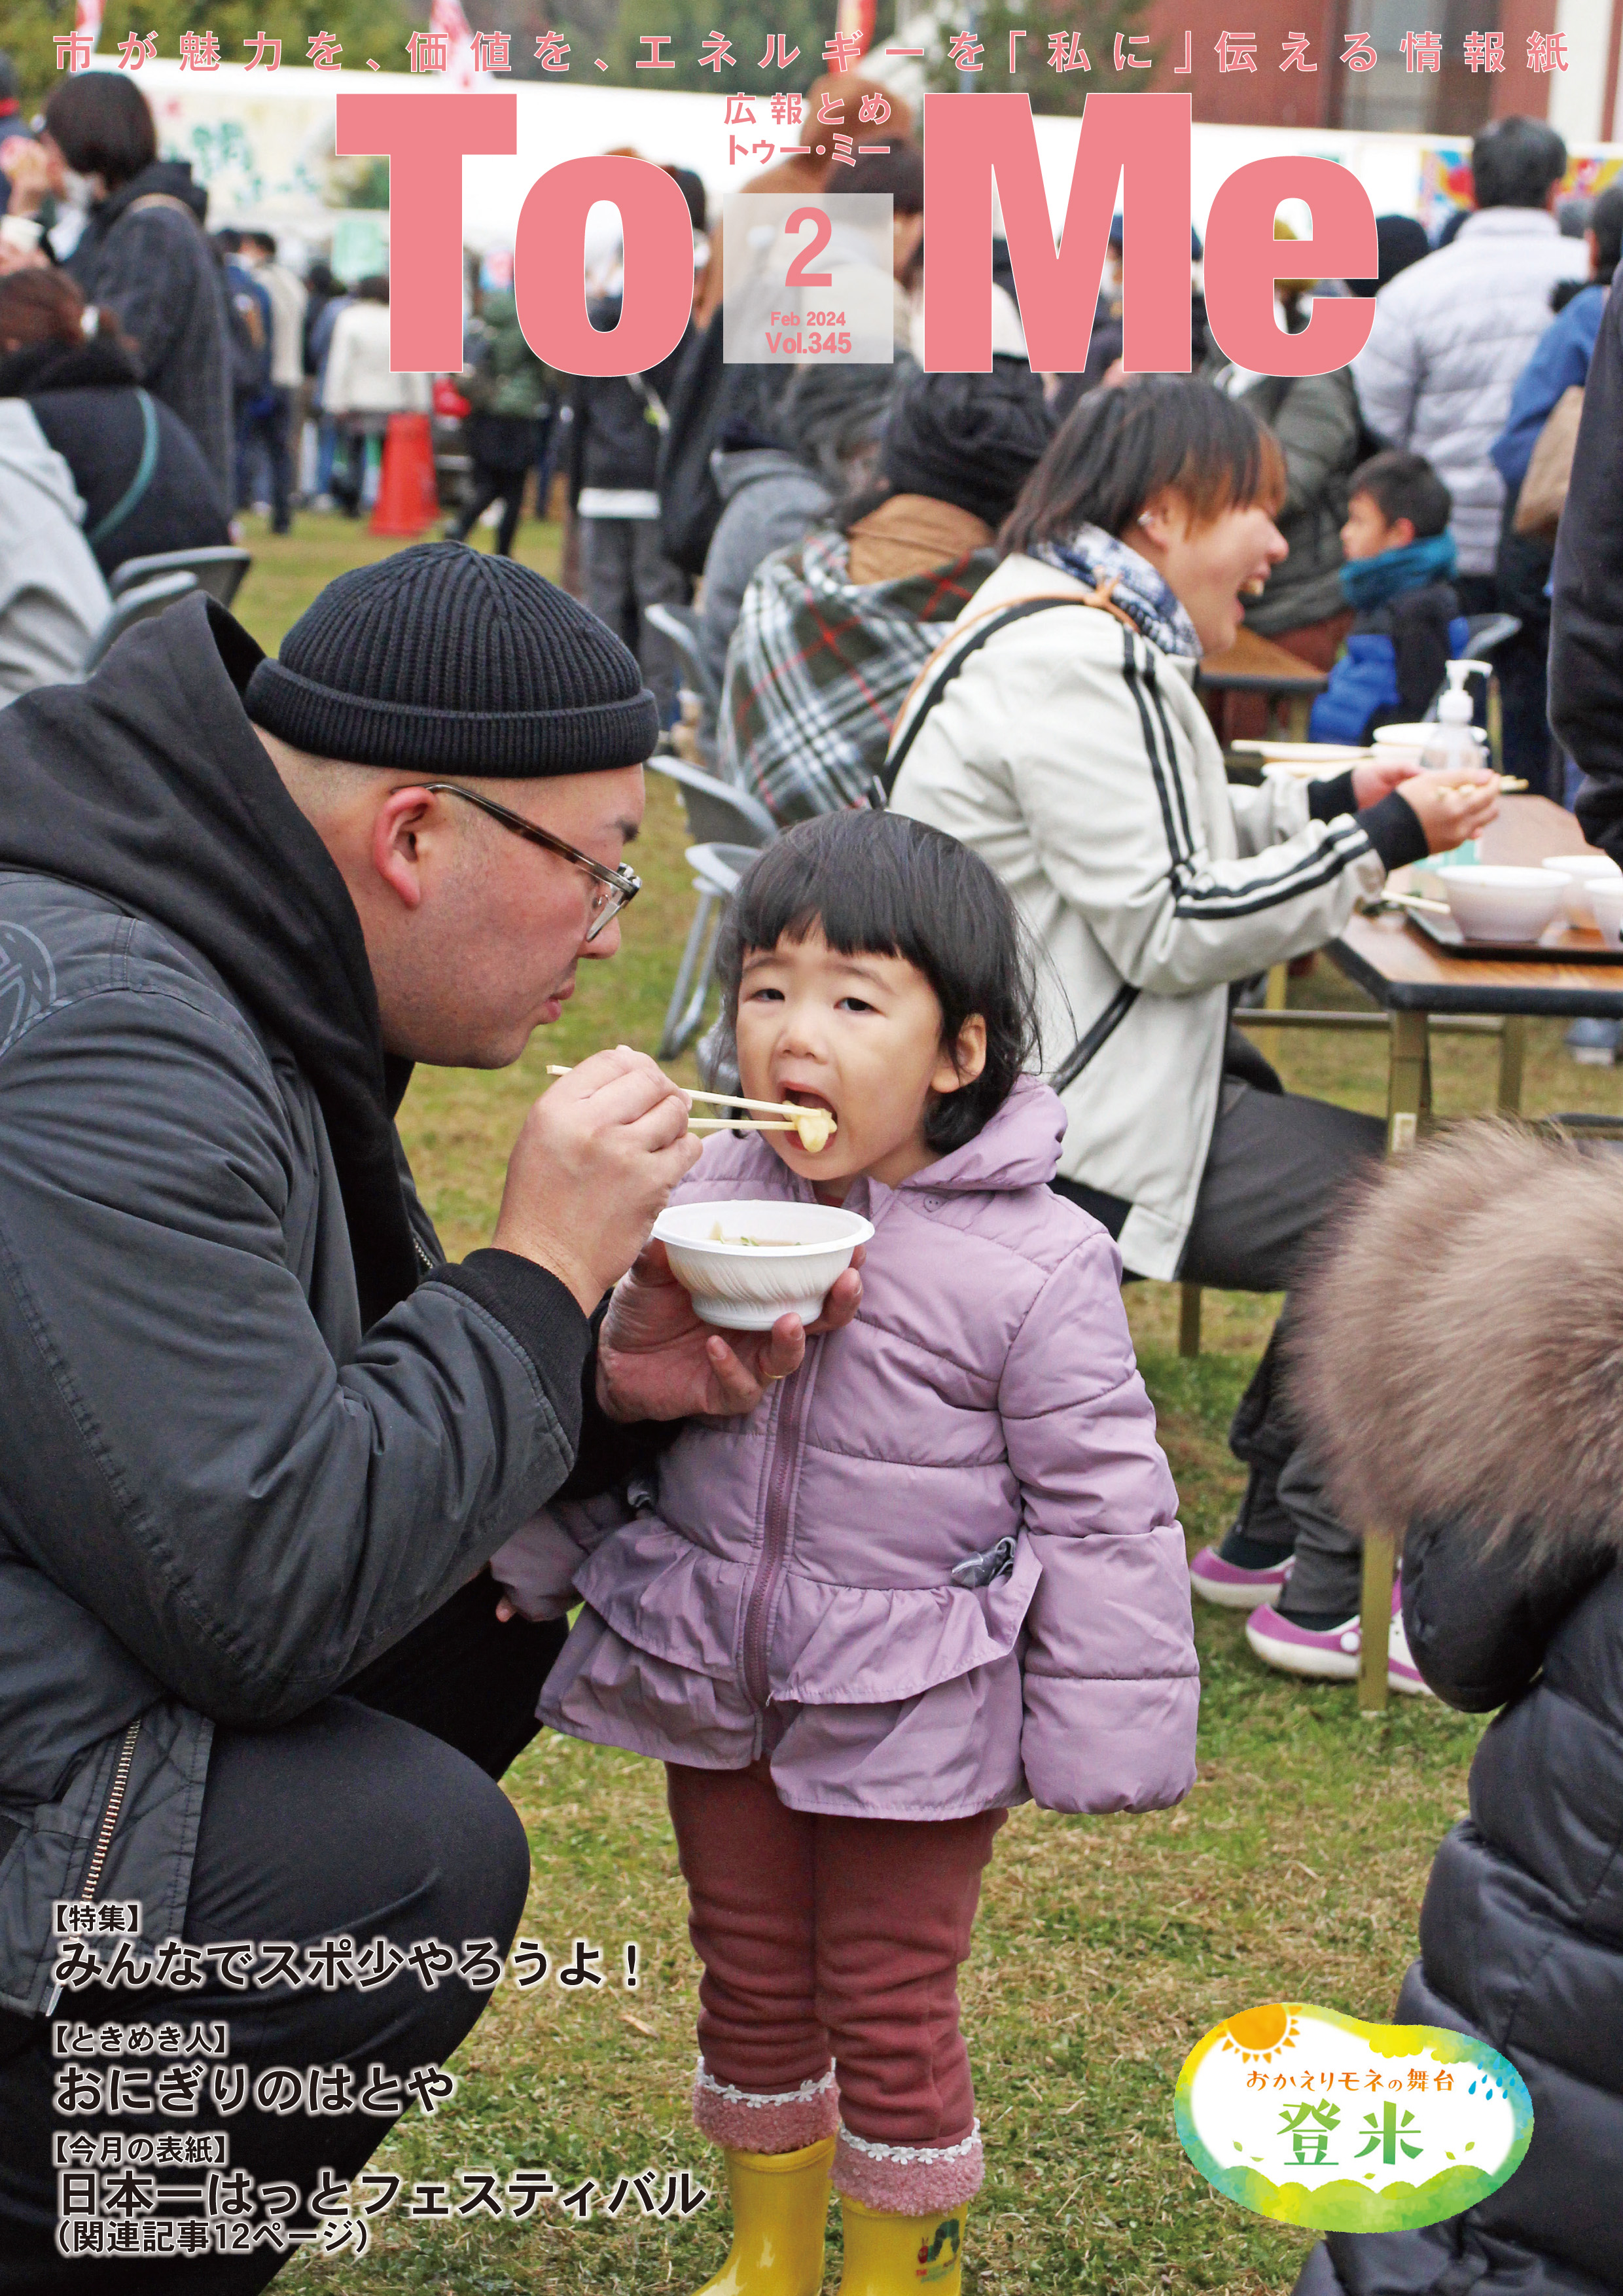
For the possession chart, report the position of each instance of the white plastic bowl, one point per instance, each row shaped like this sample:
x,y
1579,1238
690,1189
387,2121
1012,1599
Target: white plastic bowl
x,y
1410,742
1580,872
1491,901
746,1287
1606,899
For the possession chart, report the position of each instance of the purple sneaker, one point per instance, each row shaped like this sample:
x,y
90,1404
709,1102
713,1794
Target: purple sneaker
x,y
1330,1655
1327,1654
1226,1583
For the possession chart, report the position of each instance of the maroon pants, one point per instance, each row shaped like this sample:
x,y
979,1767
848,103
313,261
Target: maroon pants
x,y
827,1936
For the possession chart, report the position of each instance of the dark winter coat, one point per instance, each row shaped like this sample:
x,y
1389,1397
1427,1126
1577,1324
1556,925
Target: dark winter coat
x,y
139,472
1315,417
1397,657
145,258
1462,1362
1587,617
614,440
255,1427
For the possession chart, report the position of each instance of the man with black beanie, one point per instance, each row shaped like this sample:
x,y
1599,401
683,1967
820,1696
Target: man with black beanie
x,y
260,1437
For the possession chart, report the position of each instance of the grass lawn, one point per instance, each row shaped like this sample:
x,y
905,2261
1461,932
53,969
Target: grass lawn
x,y
1106,1945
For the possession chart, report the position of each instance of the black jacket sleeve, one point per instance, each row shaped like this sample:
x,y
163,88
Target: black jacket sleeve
x,y
1587,627
1478,1618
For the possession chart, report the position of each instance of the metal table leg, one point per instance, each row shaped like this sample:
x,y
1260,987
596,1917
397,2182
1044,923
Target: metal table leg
x,y
1513,1052
1408,1092
1375,1620
1189,1319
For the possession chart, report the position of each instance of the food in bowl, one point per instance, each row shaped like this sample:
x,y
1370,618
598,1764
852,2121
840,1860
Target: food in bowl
x,y
1493,901
746,1262
1580,872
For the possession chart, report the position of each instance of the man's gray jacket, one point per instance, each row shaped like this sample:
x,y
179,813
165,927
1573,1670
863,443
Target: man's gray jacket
x,y
242,1449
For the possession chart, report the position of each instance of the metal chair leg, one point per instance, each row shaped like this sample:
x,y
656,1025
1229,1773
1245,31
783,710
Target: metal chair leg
x,y
1189,1319
671,1039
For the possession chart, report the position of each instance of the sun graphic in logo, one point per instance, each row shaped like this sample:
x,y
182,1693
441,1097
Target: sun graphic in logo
x,y
1257,2034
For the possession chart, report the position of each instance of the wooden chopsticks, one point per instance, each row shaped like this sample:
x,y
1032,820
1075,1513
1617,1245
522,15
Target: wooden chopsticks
x,y
786,1114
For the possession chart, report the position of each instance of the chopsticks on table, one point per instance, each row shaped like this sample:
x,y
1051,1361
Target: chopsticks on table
x,y
1415,901
787,1112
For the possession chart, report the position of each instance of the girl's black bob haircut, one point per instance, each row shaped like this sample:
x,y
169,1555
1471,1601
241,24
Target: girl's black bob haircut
x,y
879,885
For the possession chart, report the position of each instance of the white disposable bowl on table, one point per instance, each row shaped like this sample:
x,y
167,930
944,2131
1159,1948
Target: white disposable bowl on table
x,y
1580,874
746,1287
1606,899
1409,741
1492,901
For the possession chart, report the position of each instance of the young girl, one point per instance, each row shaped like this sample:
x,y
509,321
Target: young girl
x,y
937,1572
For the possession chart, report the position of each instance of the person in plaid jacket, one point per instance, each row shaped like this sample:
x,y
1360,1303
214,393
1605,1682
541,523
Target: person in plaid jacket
x,y
832,632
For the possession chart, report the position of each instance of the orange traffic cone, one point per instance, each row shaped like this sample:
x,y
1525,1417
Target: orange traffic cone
x,y
408,500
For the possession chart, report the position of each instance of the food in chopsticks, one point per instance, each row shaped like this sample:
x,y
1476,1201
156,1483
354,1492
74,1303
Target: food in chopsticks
x,y
815,1126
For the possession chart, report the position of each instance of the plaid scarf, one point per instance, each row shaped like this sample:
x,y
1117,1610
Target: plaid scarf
x,y
1095,557
819,667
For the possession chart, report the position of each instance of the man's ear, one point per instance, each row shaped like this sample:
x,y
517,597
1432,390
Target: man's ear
x,y
394,845
965,1060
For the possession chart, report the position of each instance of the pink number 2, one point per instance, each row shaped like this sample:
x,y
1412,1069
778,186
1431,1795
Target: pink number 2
x,y
797,275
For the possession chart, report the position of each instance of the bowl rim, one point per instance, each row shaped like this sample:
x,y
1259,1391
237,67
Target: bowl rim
x,y
861,1232
1497,876
1585,868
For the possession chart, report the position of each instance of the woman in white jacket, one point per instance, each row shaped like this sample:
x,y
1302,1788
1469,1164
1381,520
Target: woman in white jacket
x,y
360,390
1057,732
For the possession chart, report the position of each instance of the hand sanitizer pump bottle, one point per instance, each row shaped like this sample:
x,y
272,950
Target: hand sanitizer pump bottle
x,y
1454,741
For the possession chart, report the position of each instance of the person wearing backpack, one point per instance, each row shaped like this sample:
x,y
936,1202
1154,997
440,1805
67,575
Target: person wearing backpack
x,y
252,325
144,255
508,392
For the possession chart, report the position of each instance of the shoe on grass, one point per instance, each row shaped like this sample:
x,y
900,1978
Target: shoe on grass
x,y
1331,1653
1214,1580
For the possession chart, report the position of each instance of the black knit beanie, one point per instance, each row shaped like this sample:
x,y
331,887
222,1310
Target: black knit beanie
x,y
967,439
449,659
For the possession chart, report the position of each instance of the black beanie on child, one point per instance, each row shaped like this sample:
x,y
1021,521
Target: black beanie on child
x,y
967,439
449,659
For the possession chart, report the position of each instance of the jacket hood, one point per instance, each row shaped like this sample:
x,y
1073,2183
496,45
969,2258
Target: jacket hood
x,y
743,466
149,785
97,365
172,177
28,458
1018,1147
1460,1351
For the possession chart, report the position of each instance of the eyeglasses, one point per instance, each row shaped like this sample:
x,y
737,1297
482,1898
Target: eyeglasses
x,y
612,889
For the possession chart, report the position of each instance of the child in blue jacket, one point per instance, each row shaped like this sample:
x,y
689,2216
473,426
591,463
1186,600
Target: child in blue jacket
x,y
1399,557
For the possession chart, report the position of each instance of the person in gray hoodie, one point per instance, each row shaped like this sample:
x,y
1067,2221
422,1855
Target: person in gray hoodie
x,y
791,443
53,599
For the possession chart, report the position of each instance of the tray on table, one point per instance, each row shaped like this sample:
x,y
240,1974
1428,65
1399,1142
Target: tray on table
x,y
1558,944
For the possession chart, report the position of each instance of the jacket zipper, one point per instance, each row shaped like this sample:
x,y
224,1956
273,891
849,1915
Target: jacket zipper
x,y
792,1402
110,1816
421,1249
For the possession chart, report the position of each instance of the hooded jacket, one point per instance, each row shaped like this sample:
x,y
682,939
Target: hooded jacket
x,y
53,599
145,258
244,1447
790,1591
769,499
141,473
1487,1416
1450,338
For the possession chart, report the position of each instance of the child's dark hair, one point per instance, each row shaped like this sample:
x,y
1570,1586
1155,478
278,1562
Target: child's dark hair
x,y
1405,486
879,885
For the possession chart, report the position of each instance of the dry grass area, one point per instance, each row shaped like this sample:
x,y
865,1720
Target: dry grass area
x,y
1107,1947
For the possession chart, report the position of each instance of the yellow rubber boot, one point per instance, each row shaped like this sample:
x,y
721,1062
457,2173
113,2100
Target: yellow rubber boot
x,y
897,2255
780,2205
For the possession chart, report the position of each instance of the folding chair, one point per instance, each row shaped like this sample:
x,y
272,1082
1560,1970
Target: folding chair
x,y
723,820
135,606
680,625
218,569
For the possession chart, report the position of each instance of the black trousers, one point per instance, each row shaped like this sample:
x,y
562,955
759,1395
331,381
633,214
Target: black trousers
x,y
373,1815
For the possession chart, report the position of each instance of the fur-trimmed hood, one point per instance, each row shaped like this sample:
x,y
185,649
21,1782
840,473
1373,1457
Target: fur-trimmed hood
x,y
1460,1350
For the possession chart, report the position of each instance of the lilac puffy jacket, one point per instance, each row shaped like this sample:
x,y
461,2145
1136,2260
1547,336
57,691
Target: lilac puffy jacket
x,y
790,1591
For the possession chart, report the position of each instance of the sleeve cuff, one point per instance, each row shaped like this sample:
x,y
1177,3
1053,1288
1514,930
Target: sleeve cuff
x,y
542,1313
611,1451
1393,828
1329,799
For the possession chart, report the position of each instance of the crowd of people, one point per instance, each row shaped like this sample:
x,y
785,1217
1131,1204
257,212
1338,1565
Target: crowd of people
x,y
947,626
